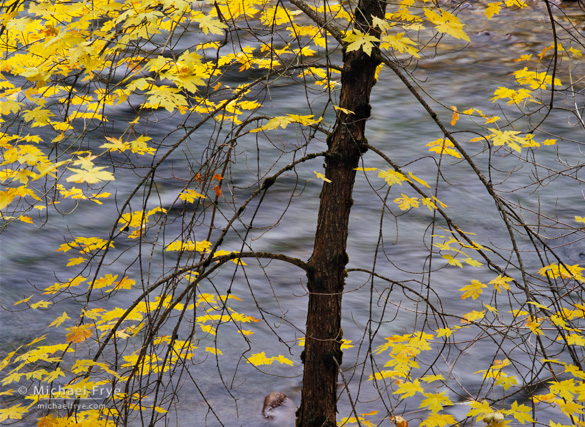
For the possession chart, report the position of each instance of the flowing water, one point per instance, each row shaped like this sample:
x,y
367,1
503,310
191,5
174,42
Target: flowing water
x,y
400,127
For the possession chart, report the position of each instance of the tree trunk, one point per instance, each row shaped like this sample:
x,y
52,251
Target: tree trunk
x,y
326,277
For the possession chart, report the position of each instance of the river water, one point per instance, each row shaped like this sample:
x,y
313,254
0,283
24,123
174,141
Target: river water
x,y
400,127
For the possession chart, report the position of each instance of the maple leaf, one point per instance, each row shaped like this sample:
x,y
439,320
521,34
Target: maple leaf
x,y
59,320
534,326
213,350
501,282
520,412
435,401
53,375
492,9
447,23
473,315
391,177
473,290
452,261
90,176
420,181
438,420
409,389
209,25
443,146
321,176
75,261
190,196
384,374
79,334
357,40
400,43
13,412
405,202
114,144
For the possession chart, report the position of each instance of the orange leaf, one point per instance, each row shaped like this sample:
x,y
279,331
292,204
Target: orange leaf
x,y
217,191
455,115
79,333
217,177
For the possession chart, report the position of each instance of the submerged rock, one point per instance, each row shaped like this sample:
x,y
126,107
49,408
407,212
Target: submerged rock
x,y
272,402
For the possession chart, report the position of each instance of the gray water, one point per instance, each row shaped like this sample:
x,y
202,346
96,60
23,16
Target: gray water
x,y
400,127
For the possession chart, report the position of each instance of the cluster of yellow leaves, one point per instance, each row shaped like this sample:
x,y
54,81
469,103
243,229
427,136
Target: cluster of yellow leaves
x,y
446,245
259,359
361,419
566,395
405,202
137,221
513,140
137,146
493,8
284,121
443,146
563,271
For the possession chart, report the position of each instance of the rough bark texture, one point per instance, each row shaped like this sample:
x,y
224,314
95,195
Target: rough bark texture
x,y
326,277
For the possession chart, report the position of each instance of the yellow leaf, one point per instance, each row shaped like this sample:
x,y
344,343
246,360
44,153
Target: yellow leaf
x,y
92,175
391,177
321,176
420,181
75,261
405,202
435,401
438,420
13,412
40,304
443,146
501,282
453,261
473,290
357,40
447,23
259,359
345,110
190,196
473,315
213,350
409,389
23,300
492,9
59,320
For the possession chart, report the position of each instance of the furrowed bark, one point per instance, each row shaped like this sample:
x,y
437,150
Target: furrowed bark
x,y
326,273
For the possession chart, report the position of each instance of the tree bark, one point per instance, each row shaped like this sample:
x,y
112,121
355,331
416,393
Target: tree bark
x,y
326,276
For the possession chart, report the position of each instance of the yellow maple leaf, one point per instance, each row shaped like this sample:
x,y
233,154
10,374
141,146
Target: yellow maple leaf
x,y
358,40
473,290
90,176
405,202
435,401
259,359
321,176
114,144
492,9
213,350
59,320
391,177
447,23
408,388
473,315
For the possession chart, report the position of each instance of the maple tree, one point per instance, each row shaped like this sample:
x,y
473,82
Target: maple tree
x,y
162,125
